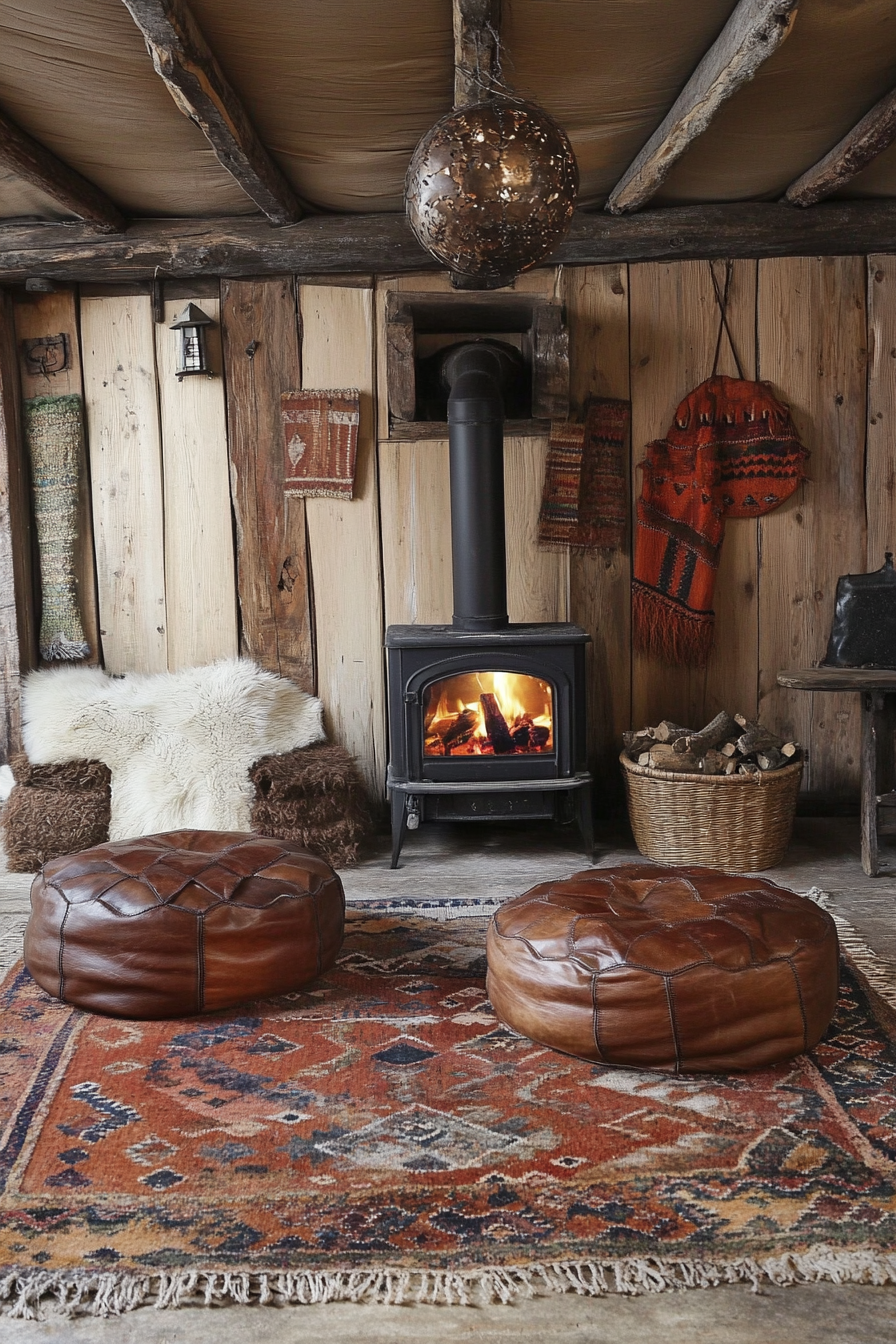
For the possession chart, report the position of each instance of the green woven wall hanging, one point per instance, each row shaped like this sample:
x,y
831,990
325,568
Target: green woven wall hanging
x,y
54,435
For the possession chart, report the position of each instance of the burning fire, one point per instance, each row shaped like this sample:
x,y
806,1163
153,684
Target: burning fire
x,y
488,714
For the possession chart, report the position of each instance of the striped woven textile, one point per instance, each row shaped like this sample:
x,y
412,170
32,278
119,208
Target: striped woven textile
x,y
584,505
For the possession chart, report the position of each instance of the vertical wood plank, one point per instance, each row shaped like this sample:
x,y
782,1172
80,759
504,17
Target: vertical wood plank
x,y
537,580
121,403
18,626
343,535
415,523
880,460
200,579
596,301
52,315
261,357
674,327
812,348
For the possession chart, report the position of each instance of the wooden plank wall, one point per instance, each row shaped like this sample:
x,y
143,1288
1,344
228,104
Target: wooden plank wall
x,y
317,582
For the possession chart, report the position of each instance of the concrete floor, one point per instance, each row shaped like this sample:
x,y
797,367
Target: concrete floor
x,y
464,861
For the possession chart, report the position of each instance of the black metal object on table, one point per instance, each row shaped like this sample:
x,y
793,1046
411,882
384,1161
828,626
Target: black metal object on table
x,y
877,688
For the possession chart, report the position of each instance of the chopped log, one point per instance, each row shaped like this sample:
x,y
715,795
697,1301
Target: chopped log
x,y
713,763
755,29
729,748
663,756
632,735
790,749
749,768
636,744
731,766
772,759
868,138
539,735
757,738
201,91
667,731
715,732
644,758
33,162
496,725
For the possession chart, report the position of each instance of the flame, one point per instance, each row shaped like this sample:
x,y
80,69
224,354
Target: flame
x,y
521,699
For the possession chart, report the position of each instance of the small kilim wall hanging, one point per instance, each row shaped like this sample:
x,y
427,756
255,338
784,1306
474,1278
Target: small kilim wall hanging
x,y
54,436
584,504
732,451
320,441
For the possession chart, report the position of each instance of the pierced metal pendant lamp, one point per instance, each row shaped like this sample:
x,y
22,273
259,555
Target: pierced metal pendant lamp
x,y
491,190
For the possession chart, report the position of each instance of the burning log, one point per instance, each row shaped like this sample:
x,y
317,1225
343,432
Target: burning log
x,y
496,725
460,731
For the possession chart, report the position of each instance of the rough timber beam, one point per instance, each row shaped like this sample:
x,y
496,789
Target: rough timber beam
x,y
754,31
477,60
29,159
196,82
868,138
346,244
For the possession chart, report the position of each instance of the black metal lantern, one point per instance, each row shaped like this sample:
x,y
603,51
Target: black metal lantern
x,y
192,355
491,190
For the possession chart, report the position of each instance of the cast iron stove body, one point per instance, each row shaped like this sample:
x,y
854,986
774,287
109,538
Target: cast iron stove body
x,y
486,719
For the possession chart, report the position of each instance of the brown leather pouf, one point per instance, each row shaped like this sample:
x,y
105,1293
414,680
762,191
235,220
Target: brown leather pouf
x,y
182,923
681,969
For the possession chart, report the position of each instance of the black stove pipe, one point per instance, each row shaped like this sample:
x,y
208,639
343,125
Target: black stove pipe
x,y
475,373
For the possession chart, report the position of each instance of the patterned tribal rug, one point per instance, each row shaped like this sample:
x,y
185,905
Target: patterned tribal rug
x,y
381,1137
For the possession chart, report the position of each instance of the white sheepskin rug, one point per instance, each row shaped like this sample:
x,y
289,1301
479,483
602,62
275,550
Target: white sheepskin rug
x,y
179,744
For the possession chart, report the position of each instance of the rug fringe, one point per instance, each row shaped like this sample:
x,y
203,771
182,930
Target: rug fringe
x,y
460,908
38,1295
880,972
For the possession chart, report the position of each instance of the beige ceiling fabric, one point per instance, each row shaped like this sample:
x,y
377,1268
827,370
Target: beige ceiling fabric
x,y
339,90
342,90
78,78
19,200
608,70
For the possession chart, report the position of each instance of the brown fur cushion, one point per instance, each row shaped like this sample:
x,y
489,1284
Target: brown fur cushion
x,y
53,810
313,795
316,796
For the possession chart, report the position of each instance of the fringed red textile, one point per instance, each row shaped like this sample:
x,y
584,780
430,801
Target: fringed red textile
x,y
732,450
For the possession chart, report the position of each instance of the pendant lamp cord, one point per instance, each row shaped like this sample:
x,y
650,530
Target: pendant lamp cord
x,y
722,301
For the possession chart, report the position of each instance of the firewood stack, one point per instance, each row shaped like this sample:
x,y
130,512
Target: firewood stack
x,y
725,746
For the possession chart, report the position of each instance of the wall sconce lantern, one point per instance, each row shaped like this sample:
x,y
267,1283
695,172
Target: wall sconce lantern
x,y
192,355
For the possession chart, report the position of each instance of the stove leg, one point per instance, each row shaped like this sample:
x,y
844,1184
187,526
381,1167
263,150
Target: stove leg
x,y
586,819
398,802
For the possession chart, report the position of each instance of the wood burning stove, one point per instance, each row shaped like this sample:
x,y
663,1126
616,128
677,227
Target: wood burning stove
x,y
486,719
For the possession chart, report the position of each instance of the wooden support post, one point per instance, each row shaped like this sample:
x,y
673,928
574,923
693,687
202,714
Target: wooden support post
x,y
477,61
29,159
868,138
199,87
754,31
261,359
18,629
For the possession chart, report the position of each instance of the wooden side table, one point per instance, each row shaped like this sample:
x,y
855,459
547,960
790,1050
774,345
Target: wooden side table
x,y
878,691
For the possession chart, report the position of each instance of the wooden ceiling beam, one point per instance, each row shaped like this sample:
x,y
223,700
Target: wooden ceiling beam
x,y
362,244
754,31
28,159
199,87
477,58
868,138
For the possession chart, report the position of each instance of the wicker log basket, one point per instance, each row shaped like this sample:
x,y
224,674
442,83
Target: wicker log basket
x,y
733,822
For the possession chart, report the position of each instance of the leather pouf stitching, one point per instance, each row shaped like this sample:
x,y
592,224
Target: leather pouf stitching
x,y
182,923
679,969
